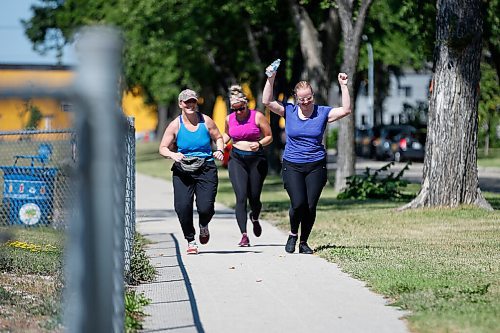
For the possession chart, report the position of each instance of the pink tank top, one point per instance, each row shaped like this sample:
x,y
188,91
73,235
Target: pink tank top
x,y
245,130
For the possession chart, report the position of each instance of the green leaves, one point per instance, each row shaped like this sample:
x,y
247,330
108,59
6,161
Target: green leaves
x,y
370,186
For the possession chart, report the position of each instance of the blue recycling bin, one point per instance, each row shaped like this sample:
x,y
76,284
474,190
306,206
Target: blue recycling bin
x,y
28,193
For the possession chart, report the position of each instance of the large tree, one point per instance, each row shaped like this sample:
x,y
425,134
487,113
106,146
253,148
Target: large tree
x,y
171,44
450,175
352,19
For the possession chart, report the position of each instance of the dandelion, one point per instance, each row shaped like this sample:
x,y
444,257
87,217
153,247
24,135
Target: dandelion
x,y
32,247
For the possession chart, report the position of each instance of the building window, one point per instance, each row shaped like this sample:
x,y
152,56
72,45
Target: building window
x,y
66,107
406,90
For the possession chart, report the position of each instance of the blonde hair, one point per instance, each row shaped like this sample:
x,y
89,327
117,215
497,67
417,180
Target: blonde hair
x,y
302,85
236,95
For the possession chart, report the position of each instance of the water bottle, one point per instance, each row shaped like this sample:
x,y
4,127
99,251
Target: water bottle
x,y
274,67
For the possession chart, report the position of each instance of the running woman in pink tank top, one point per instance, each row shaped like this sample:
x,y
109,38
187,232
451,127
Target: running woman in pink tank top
x,y
250,132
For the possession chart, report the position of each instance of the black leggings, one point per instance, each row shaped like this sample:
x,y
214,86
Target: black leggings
x,y
304,183
247,174
203,184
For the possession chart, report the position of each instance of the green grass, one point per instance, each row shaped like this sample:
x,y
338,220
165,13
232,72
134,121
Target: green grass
x,y
150,162
31,278
32,251
443,265
492,160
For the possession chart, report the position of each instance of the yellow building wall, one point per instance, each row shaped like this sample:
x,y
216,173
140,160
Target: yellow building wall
x,y
146,116
13,115
12,111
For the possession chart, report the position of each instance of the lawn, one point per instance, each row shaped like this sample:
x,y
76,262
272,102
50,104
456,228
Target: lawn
x,y
492,160
443,265
31,280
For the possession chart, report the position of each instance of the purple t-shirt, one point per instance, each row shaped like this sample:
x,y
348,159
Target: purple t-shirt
x,y
304,137
245,130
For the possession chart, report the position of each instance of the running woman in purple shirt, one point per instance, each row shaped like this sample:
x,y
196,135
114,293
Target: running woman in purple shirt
x,y
304,160
249,131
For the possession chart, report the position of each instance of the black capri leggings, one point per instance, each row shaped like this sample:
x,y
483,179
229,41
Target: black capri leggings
x,y
247,171
304,183
203,184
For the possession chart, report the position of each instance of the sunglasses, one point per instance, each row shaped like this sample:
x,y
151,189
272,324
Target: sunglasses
x,y
305,99
191,100
241,108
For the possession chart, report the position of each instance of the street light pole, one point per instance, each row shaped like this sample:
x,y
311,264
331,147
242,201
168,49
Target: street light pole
x,y
371,109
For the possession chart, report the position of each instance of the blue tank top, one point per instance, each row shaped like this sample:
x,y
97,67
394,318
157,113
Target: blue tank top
x,y
197,143
304,138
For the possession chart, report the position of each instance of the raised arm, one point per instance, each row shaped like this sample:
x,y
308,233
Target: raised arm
x,y
340,112
267,97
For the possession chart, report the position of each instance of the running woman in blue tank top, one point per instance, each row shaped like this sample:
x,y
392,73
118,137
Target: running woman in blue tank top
x,y
304,160
194,170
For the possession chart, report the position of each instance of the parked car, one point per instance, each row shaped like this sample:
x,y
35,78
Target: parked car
x,y
411,147
363,142
399,143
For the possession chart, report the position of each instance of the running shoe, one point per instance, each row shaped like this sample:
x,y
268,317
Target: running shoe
x,y
257,229
192,248
244,241
290,243
204,234
304,248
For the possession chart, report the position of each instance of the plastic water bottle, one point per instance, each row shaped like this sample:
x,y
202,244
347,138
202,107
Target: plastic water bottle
x,y
274,67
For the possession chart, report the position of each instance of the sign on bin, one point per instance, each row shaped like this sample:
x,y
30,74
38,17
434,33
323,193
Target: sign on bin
x,y
28,194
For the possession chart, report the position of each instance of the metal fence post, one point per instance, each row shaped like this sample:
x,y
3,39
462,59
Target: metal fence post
x,y
95,259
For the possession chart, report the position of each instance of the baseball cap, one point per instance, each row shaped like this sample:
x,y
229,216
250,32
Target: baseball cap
x,y
188,94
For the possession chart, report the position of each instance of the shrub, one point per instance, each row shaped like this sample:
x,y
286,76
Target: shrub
x,y
141,270
370,186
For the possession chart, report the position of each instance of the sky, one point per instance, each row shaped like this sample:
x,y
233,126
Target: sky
x,y
15,48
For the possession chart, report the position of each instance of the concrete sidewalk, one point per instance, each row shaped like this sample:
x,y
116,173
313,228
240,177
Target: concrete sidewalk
x,y
256,289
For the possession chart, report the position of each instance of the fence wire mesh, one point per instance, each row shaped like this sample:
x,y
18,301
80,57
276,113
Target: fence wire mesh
x,y
129,194
37,168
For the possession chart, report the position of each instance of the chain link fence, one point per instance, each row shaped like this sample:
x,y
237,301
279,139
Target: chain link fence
x,y
37,169
81,180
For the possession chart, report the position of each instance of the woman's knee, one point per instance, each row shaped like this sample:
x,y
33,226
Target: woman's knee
x,y
205,208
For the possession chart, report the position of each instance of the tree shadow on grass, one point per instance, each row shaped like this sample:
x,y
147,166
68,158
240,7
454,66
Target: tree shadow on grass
x,y
340,247
493,200
334,204
331,203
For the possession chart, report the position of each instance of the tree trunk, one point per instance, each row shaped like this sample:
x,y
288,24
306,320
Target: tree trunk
x,y
351,34
162,121
450,175
331,45
311,50
261,77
